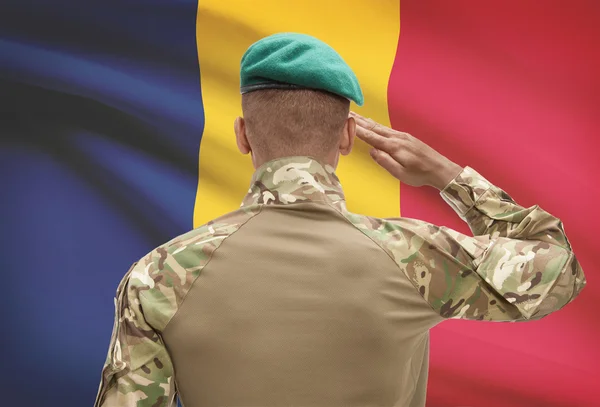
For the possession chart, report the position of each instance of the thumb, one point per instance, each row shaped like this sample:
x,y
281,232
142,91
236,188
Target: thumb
x,y
387,162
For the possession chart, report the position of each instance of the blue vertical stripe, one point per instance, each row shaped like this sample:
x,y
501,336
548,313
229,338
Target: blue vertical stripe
x,y
101,119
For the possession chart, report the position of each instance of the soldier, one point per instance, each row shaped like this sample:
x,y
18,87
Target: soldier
x,y
294,300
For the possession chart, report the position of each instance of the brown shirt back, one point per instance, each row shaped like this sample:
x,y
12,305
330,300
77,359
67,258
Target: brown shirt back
x,y
300,308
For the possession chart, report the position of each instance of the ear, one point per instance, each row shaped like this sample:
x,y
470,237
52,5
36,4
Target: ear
x,y
348,135
240,135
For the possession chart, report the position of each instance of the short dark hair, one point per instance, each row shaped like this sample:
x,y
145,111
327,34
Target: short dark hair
x,y
284,122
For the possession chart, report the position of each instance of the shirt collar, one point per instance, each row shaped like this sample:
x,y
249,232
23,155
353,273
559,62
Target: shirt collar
x,y
294,179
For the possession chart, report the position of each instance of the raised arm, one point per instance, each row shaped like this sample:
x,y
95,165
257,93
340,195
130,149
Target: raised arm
x,y
518,266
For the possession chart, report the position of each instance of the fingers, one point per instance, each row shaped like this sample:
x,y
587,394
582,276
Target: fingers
x,y
369,124
388,163
374,139
372,125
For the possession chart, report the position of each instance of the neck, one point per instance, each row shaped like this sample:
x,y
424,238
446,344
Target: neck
x,y
295,179
330,159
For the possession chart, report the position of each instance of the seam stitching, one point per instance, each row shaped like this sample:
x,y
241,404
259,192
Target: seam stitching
x,y
391,258
206,264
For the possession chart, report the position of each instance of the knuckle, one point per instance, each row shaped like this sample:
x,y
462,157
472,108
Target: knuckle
x,y
369,135
410,160
396,145
400,135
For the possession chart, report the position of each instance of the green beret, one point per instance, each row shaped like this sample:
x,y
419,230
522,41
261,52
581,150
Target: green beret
x,y
297,61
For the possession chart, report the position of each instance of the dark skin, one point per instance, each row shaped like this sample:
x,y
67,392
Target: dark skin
x,y
407,158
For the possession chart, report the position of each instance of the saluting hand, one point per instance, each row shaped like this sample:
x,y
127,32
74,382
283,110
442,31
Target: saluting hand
x,y
405,157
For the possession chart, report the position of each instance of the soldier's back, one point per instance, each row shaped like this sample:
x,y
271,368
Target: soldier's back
x,y
297,306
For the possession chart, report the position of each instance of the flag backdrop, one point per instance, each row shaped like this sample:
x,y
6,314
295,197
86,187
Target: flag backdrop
x,y
117,135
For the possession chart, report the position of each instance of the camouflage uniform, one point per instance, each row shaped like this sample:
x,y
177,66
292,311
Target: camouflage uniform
x,y
294,300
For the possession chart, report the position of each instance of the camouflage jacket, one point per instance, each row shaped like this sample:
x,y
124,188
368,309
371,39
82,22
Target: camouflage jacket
x,y
518,266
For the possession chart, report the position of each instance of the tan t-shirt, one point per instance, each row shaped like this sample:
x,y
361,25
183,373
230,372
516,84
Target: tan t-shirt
x,y
292,300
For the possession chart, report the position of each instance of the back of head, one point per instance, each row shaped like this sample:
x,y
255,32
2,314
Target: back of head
x,y
296,92
287,122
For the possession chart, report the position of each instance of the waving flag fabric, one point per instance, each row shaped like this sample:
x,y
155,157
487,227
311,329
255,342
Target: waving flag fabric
x,y
117,135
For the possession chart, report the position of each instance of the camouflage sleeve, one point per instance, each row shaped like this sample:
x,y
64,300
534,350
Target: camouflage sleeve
x,y
138,370
518,266
522,260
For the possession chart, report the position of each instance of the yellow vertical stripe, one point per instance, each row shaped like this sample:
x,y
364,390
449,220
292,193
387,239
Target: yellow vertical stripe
x,y
364,32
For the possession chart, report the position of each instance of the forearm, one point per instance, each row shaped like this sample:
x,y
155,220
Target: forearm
x,y
445,173
489,210
529,258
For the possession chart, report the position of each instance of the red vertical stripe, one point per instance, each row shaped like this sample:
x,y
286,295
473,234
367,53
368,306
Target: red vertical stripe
x,y
511,88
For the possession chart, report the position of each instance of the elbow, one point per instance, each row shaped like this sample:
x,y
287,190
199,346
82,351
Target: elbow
x,y
565,289
571,282
576,277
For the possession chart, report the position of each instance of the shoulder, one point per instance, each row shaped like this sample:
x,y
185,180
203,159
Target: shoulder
x,y
207,237
416,246
402,237
163,277
394,235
